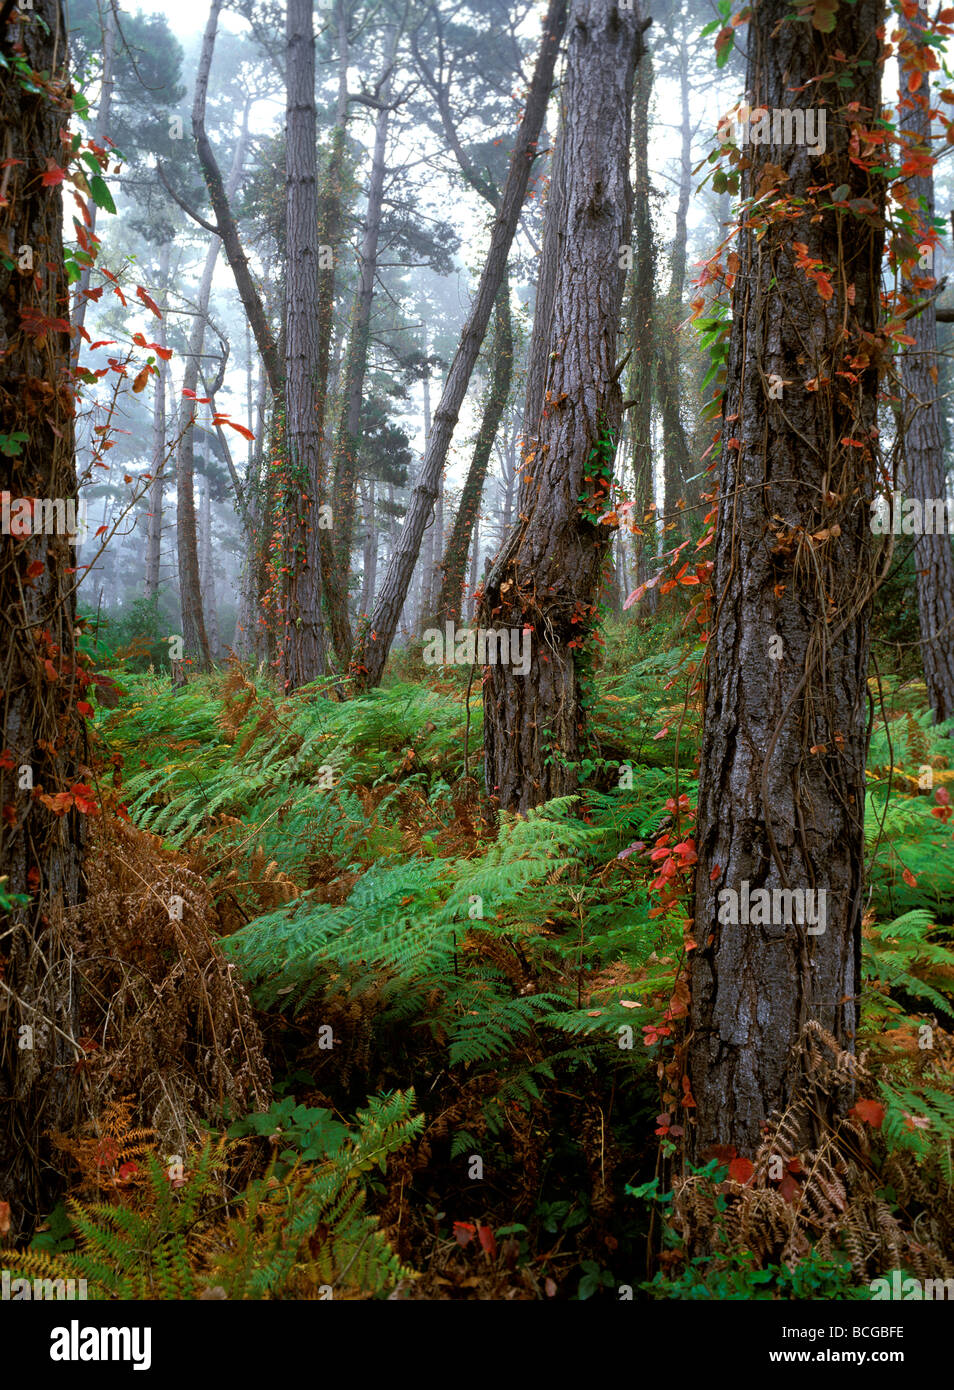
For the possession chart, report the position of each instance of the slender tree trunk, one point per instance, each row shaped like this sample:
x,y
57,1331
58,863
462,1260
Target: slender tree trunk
x,y
210,608
221,199
376,637
44,743
330,222
194,635
426,564
465,522
304,641
157,486
642,331
344,462
544,588
782,776
100,133
676,455
370,547
923,453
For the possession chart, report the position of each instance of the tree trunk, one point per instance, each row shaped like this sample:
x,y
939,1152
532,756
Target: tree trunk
x,y
923,451
782,776
377,635
44,745
157,486
344,462
642,311
544,587
100,133
330,218
676,455
304,640
210,608
465,522
221,198
194,636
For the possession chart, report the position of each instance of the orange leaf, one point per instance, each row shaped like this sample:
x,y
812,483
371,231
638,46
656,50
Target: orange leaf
x,y
869,1112
149,303
741,1169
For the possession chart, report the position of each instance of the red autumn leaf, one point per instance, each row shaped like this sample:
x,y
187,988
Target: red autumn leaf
x,y
51,672
487,1243
741,1169
788,1187
141,379
83,797
127,1171
54,174
869,1112
35,568
909,878
4,1218
10,813
149,303
6,760
463,1232
85,709
245,433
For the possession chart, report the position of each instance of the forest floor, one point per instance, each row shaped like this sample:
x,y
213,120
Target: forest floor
x,y
349,1034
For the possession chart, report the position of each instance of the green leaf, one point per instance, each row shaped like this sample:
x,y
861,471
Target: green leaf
x,y
101,194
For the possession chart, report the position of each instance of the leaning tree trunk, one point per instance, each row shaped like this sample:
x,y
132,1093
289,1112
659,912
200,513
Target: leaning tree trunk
x,y
43,746
465,522
194,636
782,776
378,634
304,637
225,225
921,424
545,585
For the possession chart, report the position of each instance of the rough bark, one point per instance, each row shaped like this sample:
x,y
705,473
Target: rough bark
x,y
376,637
330,220
923,454
782,782
465,522
545,585
304,637
43,738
